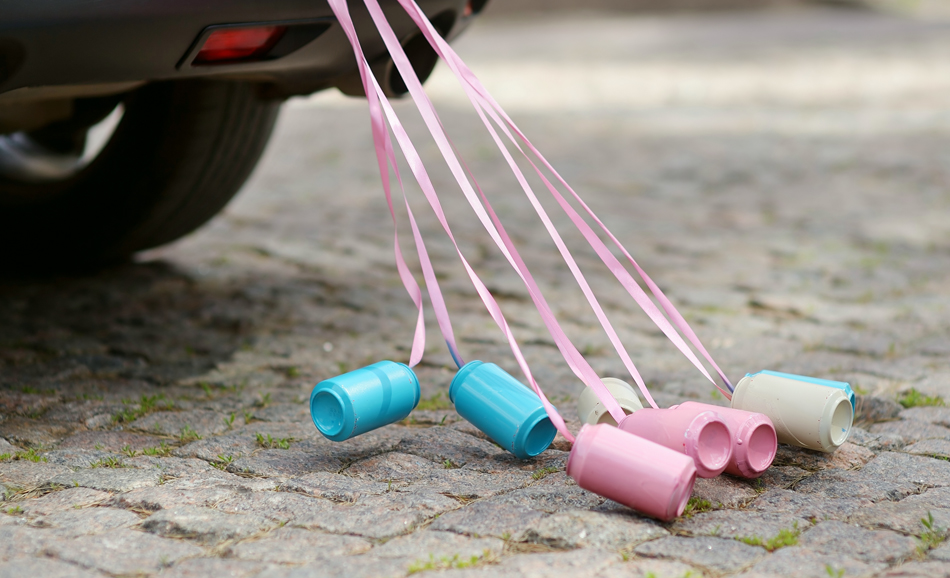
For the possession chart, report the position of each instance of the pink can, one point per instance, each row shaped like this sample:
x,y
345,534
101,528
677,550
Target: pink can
x,y
632,471
693,429
754,441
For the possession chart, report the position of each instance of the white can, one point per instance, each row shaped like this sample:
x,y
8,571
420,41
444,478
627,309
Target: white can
x,y
591,411
804,412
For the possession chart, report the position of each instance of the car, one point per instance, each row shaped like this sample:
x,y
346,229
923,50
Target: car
x,y
127,124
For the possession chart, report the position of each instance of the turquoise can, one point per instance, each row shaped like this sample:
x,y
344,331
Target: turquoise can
x,y
364,399
501,406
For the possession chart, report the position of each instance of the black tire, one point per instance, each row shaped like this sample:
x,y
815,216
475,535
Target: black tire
x,y
180,152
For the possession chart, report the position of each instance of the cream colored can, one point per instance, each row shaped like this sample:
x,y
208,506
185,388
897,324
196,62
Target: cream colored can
x,y
591,411
804,413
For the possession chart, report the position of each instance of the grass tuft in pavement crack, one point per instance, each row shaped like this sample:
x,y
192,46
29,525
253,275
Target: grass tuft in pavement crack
x,y
454,562
932,536
786,537
29,455
145,405
544,472
269,442
914,398
696,505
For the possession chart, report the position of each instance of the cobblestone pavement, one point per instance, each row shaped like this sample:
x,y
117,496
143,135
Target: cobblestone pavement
x,y
784,176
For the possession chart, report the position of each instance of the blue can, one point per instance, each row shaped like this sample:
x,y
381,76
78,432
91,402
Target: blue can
x,y
365,399
502,407
842,385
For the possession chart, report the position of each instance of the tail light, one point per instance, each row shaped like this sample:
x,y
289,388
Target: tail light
x,y
228,45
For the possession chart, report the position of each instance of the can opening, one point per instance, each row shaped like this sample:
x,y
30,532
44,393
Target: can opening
x,y
714,445
841,422
327,410
761,448
540,437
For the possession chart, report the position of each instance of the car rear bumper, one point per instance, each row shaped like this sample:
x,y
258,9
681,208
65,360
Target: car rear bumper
x,y
50,43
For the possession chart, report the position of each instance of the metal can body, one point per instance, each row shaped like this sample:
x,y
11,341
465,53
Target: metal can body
x,y
693,429
364,399
499,405
804,413
590,410
842,385
754,442
632,471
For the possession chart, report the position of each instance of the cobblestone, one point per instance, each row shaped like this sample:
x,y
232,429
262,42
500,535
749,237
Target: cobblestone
x,y
205,525
717,554
799,225
122,552
583,529
290,545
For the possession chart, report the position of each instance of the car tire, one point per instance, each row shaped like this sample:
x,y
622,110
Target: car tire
x,y
179,153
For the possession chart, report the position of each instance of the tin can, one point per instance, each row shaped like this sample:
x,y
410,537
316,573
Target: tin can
x,y
364,399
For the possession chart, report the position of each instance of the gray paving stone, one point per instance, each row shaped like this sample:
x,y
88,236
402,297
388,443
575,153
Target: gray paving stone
x,y
717,554
848,456
932,448
418,547
81,522
485,518
173,423
936,383
26,474
779,477
809,506
846,484
17,541
67,499
725,490
275,463
833,537
584,529
280,507
442,478
911,431
335,487
438,444
217,567
551,497
46,568
290,545
7,448
205,525
905,516
109,479
78,458
651,568
928,569
583,563
941,553
919,470
168,496
801,562
385,516
234,446
109,441
879,442
739,524
122,552
871,409
350,567
935,415
27,433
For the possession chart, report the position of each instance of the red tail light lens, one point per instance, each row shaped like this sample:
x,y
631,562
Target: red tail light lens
x,y
238,44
